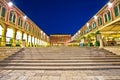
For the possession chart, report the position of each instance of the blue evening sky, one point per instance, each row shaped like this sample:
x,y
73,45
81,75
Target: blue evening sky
x,y
60,16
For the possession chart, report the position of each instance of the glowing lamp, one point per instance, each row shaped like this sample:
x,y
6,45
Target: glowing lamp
x,y
10,4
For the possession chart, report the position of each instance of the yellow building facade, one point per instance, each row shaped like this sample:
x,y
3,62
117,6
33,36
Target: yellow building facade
x,y
16,29
104,26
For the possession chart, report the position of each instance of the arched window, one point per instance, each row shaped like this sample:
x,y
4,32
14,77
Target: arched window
x,y
3,12
20,22
99,21
94,25
116,11
26,26
12,17
107,16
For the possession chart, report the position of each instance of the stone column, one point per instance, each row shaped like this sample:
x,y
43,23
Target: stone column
x,y
101,43
21,41
3,38
31,42
14,38
27,41
99,38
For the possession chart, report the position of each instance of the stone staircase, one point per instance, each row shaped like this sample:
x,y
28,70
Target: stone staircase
x,y
61,58
5,52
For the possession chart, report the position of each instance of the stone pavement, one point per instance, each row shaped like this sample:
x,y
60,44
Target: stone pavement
x,y
113,49
61,63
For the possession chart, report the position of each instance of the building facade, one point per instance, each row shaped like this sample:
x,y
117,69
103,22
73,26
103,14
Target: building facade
x,y
104,26
59,39
16,29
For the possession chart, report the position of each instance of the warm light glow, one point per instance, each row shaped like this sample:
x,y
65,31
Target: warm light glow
x,y
95,17
44,34
41,32
109,4
79,31
0,31
87,24
18,35
25,17
33,40
10,4
29,38
25,36
9,34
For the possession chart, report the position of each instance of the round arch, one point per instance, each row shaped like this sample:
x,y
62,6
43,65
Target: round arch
x,y
9,36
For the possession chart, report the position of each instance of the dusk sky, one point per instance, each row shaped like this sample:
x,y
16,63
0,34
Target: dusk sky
x,y
60,16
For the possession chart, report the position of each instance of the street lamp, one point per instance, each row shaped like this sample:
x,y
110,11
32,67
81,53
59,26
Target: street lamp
x,y
10,4
87,24
95,17
109,4
25,17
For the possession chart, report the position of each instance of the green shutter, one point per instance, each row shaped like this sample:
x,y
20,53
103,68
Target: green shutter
x,y
19,21
109,16
105,16
3,11
116,11
10,17
99,21
14,18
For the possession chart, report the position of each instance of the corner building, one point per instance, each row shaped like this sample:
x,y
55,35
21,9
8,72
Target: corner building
x,y
106,22
18,30
59,39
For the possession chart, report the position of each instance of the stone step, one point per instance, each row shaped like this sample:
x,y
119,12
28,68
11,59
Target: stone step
x,y
60,61
87,56
80,58
61,64
59,67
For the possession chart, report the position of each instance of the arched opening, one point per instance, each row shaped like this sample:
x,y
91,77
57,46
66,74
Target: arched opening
x,y
9,37
18,38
